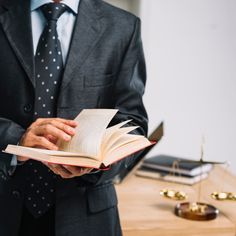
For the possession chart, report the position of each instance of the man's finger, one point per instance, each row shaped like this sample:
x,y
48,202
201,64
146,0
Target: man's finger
x,y
73,169
41,121
44,143
51,138
77,171
66,171
72,123
62,126
52,130
59,170
87,170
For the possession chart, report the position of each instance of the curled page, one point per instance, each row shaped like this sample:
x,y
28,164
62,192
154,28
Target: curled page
x,y
92,124
110,131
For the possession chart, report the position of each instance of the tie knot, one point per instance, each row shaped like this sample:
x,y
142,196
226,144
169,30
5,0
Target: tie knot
x,y
53,11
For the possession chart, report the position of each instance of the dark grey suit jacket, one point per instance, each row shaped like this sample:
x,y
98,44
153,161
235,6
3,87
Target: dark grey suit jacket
x,y
105,69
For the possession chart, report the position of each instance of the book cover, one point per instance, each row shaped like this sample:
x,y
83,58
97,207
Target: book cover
x,y
170,177
185,166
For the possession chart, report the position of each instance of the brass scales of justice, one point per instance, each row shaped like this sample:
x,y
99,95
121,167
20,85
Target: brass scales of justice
x,y
198,211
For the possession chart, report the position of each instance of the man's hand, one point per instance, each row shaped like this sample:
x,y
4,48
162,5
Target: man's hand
x,y
45,132
68,172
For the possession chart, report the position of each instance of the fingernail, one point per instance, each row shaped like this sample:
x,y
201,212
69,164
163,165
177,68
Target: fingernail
x,y
74,122
67,137
72,131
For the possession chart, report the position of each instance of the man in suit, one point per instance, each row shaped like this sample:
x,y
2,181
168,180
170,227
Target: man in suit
x,y
56,59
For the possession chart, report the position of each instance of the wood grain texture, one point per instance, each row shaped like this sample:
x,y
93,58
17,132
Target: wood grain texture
x,y
144,212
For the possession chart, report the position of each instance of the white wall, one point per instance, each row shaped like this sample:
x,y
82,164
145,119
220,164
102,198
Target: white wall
x,y
120,3
129,5
190,48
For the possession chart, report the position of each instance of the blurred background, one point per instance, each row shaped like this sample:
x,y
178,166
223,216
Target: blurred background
x,y
190,48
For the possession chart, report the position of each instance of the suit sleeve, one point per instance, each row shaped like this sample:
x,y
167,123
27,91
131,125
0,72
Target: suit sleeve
x,y
10,133
128,91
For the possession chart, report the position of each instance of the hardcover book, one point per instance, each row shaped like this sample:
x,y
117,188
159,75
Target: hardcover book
x,y
184,167
170,177
94,145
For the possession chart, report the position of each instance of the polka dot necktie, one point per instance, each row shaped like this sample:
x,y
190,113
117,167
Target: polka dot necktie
x,y
48,62
48,71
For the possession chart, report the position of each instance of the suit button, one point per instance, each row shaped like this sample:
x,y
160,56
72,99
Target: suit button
x,y
2,176
28,108
16,194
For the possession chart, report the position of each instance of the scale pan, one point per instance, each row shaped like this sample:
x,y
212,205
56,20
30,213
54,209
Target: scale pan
x,y
196,211
173,194
224,196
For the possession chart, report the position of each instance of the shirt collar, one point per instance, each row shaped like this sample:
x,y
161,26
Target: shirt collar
x,y
72,4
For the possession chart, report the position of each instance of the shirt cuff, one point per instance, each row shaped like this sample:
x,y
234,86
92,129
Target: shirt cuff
x,y
13,165
13,161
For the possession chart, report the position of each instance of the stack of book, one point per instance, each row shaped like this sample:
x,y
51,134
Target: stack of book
x,y
174,169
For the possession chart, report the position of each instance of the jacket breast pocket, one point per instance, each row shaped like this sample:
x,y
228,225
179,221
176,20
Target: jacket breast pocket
x,y
98,80
101,197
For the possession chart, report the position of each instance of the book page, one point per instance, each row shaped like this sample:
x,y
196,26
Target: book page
x,y
122,140
42,155
116,136
110,131
126,150
47,152
92,124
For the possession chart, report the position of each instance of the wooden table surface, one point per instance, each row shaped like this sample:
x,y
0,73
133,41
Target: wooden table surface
x,y
144,212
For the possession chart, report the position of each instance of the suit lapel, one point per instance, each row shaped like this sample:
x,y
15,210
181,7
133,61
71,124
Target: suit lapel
x,y
88,30
16,23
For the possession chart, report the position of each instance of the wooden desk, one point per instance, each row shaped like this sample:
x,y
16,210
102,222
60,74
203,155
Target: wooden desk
x,y
144,212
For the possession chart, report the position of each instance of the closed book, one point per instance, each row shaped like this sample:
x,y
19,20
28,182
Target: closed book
x,y
184,166
169,177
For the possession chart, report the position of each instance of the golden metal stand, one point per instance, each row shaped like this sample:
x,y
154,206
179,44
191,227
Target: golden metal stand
x,y
196,210
173,194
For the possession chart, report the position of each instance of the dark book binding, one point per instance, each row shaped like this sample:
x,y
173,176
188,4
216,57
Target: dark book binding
x,y
184,166
165,176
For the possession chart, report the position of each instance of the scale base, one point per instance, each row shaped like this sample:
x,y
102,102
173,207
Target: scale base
x,y
196,211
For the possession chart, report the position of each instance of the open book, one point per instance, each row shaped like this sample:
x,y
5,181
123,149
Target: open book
x,y
93,145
